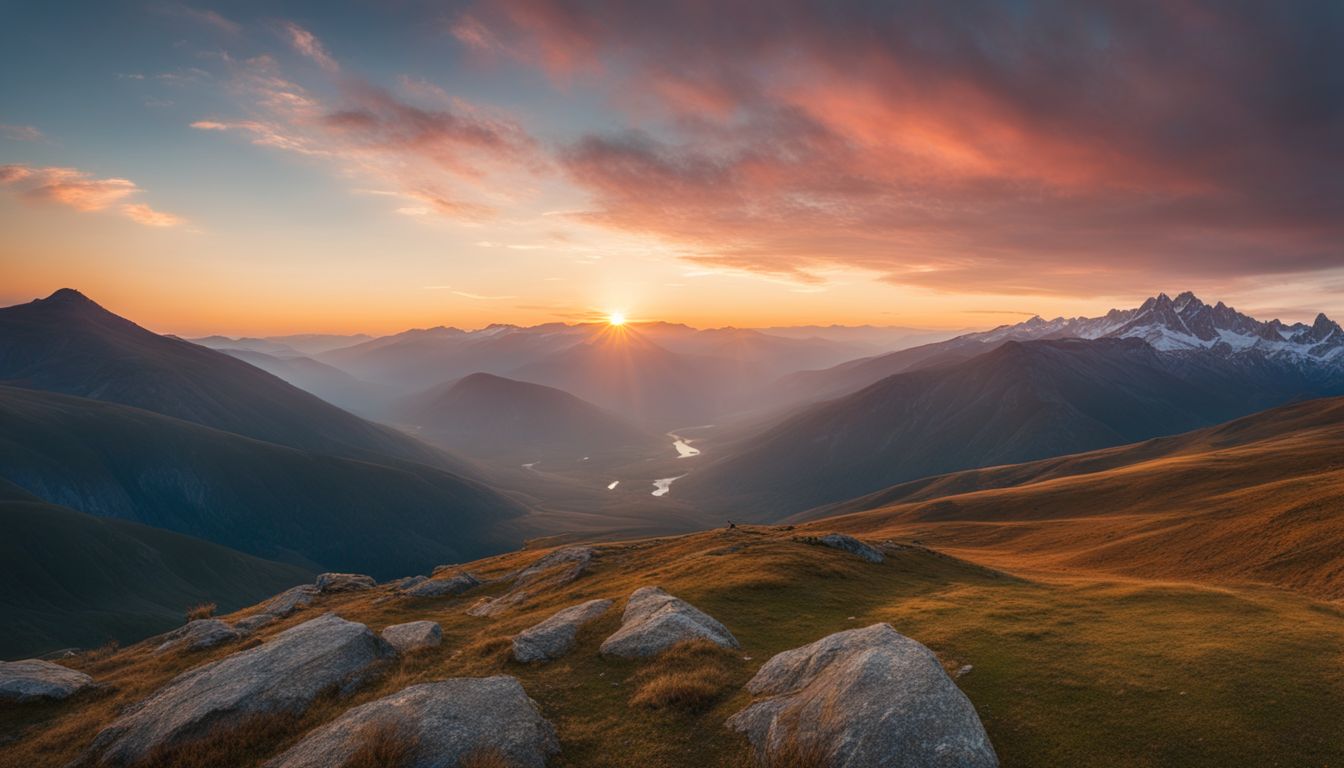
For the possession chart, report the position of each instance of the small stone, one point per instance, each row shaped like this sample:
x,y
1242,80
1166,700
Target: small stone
x,y
414,635
446,721
655,621
198,635
254,622
555,636
451,586
290,601
344,582
34,679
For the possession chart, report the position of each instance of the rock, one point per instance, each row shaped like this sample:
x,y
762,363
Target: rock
x,y
554,637
283,675
655,621
452,586
865,697
413,635
33,679
849,544
555,569
344,582
447,721
409,581
198,635
249,624
290,601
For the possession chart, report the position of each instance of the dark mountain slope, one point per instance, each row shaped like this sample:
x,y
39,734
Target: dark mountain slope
x,y
491,416
1021,402
68,344
71,579
269,500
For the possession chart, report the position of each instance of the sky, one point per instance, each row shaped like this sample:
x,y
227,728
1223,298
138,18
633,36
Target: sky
x,y
278,167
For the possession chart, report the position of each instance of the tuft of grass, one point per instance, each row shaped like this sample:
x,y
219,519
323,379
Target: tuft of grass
x,y
795,752
690,677
227,745
201,611
489,652
386,744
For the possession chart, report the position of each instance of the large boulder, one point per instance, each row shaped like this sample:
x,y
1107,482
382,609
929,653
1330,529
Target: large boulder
x,y
290,600
414,635
344,582
33,679
553,570
849,544
554,637
655,621
198,635
861,698
283,675
449,587
445,721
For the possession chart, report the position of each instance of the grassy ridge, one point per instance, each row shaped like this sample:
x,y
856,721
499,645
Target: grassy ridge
x,y
1066,671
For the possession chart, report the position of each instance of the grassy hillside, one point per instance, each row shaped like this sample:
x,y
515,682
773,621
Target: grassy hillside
x,y
1257,499
1075,671
71,579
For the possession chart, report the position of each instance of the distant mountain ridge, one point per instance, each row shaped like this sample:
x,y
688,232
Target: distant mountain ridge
x,y
1187,323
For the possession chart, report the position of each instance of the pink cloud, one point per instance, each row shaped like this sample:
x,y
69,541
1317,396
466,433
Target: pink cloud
x,y
306,43
1034,148
82,191
20,132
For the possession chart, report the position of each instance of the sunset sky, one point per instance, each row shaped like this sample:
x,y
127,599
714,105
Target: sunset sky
x,y
252,168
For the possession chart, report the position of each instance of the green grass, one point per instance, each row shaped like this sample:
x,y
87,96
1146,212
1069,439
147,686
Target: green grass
x,y
1066,671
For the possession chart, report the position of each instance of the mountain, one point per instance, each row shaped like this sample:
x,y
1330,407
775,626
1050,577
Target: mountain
x,y
623,371
66,343
490,416
1184,326
316,510
325,381
1020,402
1256,499
131,580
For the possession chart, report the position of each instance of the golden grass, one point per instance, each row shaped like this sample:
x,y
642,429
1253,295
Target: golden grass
x,y
689,676
385,744
1070,669
201,611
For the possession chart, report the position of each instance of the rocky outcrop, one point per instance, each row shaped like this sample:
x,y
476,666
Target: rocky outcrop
x,y
283,675
198,635
445,721
553,570
33,680
847,544
328,583
413,635
655,621
554,637
865,697
449,587
290,601
250,624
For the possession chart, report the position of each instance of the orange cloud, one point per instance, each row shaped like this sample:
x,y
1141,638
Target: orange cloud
x,y
306,43
82,191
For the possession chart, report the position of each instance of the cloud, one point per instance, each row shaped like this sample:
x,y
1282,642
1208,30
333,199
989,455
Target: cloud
x,y
82,191
480,297
454,160
205,17
306,43
20,132
1015,148
143,214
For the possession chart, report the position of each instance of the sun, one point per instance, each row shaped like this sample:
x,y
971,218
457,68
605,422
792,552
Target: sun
x,y
616,318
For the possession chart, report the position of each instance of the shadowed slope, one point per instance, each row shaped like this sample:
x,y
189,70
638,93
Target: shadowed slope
x,y
71,579
266,499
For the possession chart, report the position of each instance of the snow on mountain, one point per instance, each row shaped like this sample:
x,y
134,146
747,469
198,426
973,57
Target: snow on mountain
x,y
1188,324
